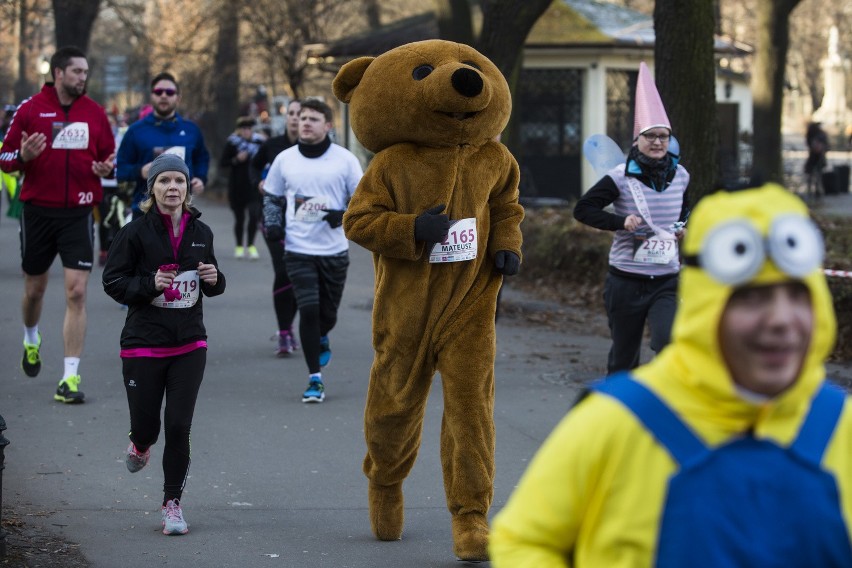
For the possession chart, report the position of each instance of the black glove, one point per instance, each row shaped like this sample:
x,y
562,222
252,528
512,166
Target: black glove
x,y
334,217
507,263
274,233
431,226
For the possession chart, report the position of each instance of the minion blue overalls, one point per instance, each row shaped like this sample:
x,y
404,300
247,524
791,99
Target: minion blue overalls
x,y
748,503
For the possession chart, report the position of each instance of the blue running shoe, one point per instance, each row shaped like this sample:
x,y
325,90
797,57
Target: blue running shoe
x,y
325,351
315,392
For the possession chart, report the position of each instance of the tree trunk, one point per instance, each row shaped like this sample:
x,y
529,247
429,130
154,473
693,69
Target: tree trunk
x,y
454,21
372,9
767,85
74,21
23,89
226,89
685,76
505,26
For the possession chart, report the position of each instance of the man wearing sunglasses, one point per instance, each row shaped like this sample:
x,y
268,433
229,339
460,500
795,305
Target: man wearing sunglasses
x,y
162,131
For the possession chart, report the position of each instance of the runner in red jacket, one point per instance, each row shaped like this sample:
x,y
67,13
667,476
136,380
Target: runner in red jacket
x,y
62,142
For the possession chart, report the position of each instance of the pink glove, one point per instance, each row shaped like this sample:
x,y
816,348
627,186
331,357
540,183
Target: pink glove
x,y
170,294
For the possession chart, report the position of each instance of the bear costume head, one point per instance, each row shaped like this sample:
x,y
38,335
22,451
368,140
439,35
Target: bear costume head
x,y
432,93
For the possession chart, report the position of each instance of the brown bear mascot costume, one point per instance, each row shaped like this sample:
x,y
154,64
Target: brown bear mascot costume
x,y
438,207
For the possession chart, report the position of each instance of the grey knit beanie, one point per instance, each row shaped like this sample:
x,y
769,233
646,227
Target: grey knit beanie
x,y
166,163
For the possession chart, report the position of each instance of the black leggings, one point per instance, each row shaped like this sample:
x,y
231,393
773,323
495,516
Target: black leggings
x,y
283,297
318,281
254,208
147,380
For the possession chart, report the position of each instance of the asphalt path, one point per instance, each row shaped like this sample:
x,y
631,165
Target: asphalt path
x,y
273,482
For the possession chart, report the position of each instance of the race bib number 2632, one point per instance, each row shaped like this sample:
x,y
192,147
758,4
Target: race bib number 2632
x,y
70,135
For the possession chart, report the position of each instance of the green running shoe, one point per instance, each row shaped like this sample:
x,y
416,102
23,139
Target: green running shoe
x,y
68,391
31,363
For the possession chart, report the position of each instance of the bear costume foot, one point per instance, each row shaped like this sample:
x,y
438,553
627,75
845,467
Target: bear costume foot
x,y
386,511
470,537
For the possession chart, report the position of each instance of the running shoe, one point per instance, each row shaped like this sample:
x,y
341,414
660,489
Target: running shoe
x,y
286,343
173,522
68,391
252,252
31,362
325,351
239,252
135,459
315,392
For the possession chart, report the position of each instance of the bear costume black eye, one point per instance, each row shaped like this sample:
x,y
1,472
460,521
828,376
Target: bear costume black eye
x,y
472,64
422,72
732,253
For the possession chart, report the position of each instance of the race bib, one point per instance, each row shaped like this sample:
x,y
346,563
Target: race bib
x,y
310,209
188,284
460,244
179,151
650,248
70,135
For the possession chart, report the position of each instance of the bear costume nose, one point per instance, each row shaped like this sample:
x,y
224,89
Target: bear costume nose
x,y
467,82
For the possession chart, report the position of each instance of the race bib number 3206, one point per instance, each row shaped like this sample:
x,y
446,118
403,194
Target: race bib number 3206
x,y
70,135
460,244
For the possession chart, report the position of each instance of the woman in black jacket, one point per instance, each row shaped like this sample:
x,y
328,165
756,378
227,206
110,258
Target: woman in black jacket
x,y
161,265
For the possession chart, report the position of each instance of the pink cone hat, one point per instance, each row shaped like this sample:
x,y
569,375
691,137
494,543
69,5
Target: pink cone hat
x,y
649,112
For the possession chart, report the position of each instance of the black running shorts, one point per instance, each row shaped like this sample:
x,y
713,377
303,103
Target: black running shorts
x,y
44,235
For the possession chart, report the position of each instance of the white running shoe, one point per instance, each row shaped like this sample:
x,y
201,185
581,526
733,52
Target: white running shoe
x,y
173,522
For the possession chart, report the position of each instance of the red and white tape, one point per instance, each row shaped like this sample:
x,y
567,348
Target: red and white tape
x,y
838,273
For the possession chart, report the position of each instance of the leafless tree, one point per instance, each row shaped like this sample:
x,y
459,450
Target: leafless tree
x,y
227,65
74,20
773,37
454,20
685,75
281,31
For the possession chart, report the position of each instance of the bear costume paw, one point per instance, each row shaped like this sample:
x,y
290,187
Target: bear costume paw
x,y
386,511
470,537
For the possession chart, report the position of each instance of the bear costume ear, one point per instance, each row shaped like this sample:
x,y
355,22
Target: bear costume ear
x,y
348,78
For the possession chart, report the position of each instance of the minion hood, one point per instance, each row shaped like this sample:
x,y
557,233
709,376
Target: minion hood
x,y
750,237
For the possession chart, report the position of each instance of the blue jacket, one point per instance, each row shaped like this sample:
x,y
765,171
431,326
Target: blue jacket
x,y
148,138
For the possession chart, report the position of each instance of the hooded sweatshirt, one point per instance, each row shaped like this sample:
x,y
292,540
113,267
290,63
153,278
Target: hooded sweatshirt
x,y
596,493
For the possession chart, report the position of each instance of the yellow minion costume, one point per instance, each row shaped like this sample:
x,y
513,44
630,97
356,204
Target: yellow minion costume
x,y
673,465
